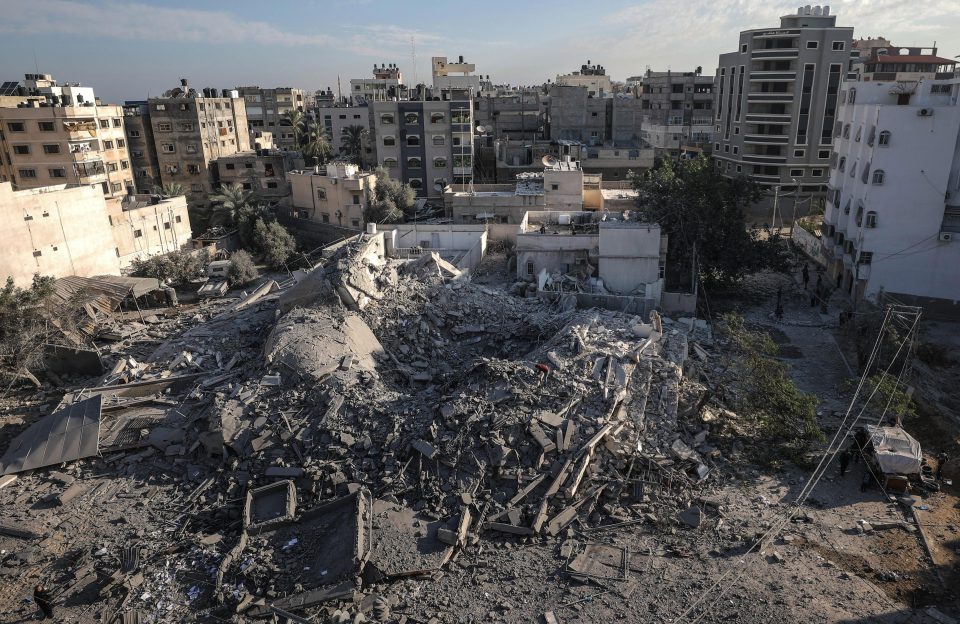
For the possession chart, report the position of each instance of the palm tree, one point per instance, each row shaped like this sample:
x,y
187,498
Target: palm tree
x,y
297,120
317,147
351,142
231,203
170,189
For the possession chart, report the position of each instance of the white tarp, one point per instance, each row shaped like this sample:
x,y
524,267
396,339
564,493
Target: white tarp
x,y
896,450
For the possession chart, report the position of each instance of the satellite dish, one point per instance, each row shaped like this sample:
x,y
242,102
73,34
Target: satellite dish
x,y
549,161
438,186
481,129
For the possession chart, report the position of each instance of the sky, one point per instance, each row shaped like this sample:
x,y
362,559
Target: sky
x,y
129,50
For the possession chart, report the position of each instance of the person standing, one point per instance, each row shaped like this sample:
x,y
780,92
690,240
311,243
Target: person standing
x,y
844,461
44,600
941,460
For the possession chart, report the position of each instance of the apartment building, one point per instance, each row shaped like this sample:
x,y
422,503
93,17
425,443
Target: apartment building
x,y
262,172
140,144
892,221
776,101
677,111
75,230
520,115
457,76
336,120
64,139
573,114
426,143
593,77
266,110
386,84
191,129
337,195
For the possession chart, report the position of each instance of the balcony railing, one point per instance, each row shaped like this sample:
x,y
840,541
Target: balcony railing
x,y
775,53
766,139
89,169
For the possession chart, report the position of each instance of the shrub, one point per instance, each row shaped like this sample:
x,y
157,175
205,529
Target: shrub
x,y
274,242
174,268
242,270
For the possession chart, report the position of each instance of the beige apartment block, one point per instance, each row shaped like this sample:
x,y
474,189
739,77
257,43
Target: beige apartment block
x,y
266,110
338,195
43,145
74,230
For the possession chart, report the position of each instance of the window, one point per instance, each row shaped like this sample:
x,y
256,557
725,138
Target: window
x,y
812,45
164,127
112,166
439,162
386,119
138,233
413,163
272,185
107,145
389,163
133,134
796,173
178,218
389,141
161,107
116,122
799,153
247,186
823,154
15,126
530,268
321,193
166,225
248,165
940,88
436,118
115,187
853,96
817,173
46,126
231,166
846,131
839,46
879,176
53,148
411,118
871,219
21,149
124,164
736,150
193,169
186,127
325,218
438,139
554,187
413,140
355,199
355,222
191,148
859,134
415,183
739,168
846,208
168,148
184,106
137,153
27,173
57,173
884,138
743,48
104,123
121,143
843,163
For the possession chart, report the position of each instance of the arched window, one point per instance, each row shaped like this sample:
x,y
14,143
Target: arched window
x,y
859,217
389,163
389,140
843,163
879,176
885,138
871,219
414,163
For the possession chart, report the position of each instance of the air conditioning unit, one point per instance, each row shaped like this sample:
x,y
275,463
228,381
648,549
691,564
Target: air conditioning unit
x,y
925,112
947,236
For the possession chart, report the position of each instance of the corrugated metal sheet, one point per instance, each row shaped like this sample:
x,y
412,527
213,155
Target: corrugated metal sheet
x,y
69,434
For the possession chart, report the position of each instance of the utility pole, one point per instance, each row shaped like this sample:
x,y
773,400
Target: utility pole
x,y
776,198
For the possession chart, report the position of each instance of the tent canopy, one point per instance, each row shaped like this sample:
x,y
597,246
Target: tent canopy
x,y
896,450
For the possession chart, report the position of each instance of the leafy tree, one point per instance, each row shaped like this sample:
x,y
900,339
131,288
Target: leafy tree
x,y
232,204
351,143
759,388
241,271
401,196
297,121
702,213
317,147
382,211
274,242
23,325
174,268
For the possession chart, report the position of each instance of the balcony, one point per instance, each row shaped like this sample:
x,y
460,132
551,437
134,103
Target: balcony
x,y
773,159
774,76
777,97
87,171
768,118
766,139
775,53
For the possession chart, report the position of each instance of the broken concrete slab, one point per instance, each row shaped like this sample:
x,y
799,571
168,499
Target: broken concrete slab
x,y
270,503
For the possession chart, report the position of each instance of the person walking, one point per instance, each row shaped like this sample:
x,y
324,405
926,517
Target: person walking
x,y
844,461
44,600
941,460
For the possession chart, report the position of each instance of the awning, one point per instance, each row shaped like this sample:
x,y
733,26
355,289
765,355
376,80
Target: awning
x,y
895,449
72,433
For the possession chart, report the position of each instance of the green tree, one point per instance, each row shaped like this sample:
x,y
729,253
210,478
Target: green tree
x,y
174,268
758,387
296,120
352,141
274,242
702,213
232,204
241,271
401,196
317,148
382,211
170,189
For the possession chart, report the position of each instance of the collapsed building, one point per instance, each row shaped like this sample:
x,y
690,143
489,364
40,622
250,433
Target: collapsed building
x,y
357,424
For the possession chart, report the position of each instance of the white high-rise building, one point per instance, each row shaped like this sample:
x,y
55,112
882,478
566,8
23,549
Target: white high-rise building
x,y
892,222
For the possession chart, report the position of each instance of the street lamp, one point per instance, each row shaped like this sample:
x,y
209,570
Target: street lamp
x,y
796,198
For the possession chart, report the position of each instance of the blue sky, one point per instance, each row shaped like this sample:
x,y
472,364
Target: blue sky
x,y
128,50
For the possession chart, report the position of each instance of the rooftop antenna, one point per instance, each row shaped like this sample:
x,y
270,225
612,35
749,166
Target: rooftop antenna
x,y
339,91
36,65
413,58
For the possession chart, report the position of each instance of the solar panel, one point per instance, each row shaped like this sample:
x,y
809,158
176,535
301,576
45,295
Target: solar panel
x,y
9,87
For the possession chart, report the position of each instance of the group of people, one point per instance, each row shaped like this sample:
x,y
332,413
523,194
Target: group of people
x,y
818,293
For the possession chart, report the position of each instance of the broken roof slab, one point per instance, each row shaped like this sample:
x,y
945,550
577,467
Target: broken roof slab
x,y
68,434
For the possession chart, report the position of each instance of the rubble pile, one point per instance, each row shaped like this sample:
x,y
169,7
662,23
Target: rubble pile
x,y
414,413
